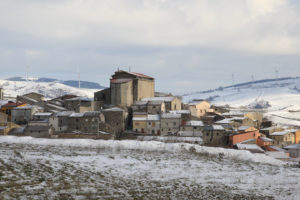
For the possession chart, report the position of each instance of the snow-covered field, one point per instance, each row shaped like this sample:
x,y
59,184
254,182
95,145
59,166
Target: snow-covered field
x,y
94,169
282,95
49,90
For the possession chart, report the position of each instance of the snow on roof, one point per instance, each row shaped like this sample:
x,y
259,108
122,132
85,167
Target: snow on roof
x,y
153,117
113,109
63,114
246,141
277,148
139,119
180,111
265,139
170,116
140,103
249,147
155,102
77,115
293,146
43,114
238,118
243,128
79,99
194,123
165,99
224,121
280,133
217,127
30,99
55,107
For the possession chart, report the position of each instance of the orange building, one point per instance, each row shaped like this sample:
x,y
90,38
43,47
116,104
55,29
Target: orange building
x,y
264,142
240,137
297,137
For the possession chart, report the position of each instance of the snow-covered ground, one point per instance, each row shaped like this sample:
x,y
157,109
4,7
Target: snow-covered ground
x,y
49,90
282,95
94,169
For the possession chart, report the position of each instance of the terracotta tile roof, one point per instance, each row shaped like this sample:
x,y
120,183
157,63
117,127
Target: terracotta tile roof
x,y
12,104
137,74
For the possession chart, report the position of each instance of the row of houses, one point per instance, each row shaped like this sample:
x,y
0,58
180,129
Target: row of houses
x,y
130,103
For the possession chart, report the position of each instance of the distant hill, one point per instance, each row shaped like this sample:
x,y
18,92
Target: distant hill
x,y
72,83
50,89
279,98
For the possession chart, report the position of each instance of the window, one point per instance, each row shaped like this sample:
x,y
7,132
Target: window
x,y
153,107
174,123
207,134
217,134
167,123
137,123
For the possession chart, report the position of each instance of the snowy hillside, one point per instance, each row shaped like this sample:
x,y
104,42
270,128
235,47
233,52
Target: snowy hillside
x,y
72,83
49,90
99,169
279,97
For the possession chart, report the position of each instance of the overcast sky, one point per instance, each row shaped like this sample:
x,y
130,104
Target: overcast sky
x,y
187,45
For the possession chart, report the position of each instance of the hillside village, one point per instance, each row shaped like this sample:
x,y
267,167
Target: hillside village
x,y
131,109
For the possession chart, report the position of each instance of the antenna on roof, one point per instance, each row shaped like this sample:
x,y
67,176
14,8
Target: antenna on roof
x,y
232,76
129,69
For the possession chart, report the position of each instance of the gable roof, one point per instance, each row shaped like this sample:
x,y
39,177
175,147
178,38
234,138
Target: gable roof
x,y
280,133
136,74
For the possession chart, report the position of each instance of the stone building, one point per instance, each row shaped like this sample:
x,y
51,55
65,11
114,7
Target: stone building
x,y
30,98
156,107
60,120
39,131
185,115
282,138
199,109
125,89
170,123
171,102
78,104
215,135
294,150
140,106
116,121
194,126
24,114
153,124
86,122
